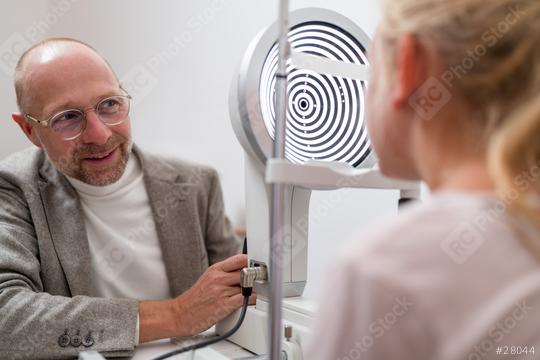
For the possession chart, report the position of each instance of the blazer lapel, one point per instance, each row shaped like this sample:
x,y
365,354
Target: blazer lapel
x,y
171,198
64,217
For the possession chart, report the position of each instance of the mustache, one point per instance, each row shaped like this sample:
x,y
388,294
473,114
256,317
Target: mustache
x,y
85,151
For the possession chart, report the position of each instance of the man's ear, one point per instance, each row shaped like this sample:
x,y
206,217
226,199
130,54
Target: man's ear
x,y
27,128
411,68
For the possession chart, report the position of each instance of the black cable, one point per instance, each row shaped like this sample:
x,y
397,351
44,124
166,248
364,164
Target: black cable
x,y
213,340
245,247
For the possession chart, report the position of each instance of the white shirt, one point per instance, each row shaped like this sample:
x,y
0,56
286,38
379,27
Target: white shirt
x,y
126,258
448,279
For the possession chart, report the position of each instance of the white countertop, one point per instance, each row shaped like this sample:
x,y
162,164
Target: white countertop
x,y
223,350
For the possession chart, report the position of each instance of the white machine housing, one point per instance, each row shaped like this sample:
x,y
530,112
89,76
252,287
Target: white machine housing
x,y
300,179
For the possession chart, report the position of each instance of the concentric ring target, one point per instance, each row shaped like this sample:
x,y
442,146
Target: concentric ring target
x,y
325,113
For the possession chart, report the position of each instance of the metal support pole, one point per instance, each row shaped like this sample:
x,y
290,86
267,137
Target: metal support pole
x,y
277,219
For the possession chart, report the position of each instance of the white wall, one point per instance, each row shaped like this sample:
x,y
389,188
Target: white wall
x,y
177,59
22,22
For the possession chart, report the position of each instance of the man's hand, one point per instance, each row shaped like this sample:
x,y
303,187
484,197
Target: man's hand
x,y
214,296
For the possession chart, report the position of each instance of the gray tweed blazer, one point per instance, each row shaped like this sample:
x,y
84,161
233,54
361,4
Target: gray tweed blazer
x,y
47,310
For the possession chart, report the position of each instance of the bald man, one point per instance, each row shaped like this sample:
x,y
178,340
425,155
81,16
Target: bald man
x,y
102,246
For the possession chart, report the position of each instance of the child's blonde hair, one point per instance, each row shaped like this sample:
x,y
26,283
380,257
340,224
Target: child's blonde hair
x,y
492,51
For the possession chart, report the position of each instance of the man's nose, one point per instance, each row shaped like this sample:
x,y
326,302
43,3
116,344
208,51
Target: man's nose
x,y
96,132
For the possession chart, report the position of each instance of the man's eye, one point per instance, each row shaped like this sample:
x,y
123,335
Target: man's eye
x,y
67,117
109,104
66,120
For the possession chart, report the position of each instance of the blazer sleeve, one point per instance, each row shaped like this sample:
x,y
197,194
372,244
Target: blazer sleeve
x,y
37,325
221,241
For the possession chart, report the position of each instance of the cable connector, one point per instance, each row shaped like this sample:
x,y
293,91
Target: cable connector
x,y
249,275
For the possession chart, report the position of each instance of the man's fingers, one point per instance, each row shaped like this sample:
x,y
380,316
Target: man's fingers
x,y
239,299
233,290
234,263
236,301
231,278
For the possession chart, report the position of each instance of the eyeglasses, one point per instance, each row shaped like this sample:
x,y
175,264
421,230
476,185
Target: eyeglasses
x,y
70,124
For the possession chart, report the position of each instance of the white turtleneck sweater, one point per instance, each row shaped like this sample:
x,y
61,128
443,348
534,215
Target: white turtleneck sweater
x,y
126,258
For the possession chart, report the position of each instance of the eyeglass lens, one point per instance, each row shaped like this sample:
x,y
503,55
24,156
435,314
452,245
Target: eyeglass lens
x,y
71,123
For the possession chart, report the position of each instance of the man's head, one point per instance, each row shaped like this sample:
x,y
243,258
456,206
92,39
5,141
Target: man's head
x,y
60,74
